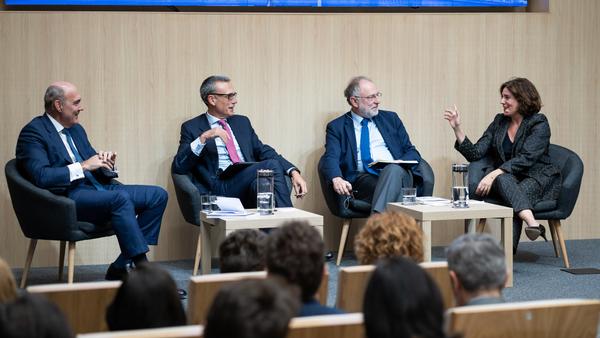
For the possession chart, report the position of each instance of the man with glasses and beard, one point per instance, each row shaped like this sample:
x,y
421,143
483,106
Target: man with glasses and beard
x,y
361,136
217,139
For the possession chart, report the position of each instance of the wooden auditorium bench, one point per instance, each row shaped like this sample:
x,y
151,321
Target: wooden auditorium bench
x,y
188,331
353,280
84,304
203,289
573,318
348,325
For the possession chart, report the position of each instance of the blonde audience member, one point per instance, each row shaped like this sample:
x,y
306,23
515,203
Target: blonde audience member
x,y
389,234
8,286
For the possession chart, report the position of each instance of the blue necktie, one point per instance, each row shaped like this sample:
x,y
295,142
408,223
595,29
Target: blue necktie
x,y
365,147
78,158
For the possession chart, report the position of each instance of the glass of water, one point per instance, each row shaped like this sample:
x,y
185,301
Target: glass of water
x,y
206,203
265,184
409,196
460,185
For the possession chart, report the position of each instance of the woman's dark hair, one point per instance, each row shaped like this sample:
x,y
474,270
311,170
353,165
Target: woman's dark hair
x,y
32,315
525,93
402,301
147,298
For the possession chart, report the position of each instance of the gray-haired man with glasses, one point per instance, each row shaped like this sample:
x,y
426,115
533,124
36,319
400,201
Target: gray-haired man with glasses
x,y
217,139
361,136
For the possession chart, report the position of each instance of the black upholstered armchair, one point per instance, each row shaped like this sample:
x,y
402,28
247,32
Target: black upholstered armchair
x,y
553,211
349,209
188,198
44,215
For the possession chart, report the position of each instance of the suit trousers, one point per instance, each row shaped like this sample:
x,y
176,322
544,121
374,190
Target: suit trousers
x,y
382,189
120,204
243,185
518,195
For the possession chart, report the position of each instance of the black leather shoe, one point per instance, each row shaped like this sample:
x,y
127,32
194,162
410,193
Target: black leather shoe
x,y
328,256
114,273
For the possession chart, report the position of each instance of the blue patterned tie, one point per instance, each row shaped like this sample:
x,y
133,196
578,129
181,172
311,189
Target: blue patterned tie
x,y
78,158
365,147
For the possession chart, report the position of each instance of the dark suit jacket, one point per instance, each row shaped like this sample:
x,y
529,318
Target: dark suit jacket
x,y
529,154
43,158
314,308
341,149
205,168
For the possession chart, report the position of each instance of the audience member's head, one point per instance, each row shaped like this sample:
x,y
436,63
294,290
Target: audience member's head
x,y
389,234
147,298
402,301
8,286
32,315
477,267
295,252
243,250
255,308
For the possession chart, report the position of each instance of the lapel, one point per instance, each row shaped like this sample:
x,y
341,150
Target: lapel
x,y
520,135
54,139
350,136
499,137
210,146
389,140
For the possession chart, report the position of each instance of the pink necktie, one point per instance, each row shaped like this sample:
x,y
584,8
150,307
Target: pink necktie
x,y
229,144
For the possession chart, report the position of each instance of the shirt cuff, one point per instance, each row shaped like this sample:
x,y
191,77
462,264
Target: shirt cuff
x,y
289,171
75,171
196,146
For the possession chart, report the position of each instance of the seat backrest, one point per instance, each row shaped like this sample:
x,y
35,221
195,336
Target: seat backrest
x,y
352,283
548,318
571,167
348,325
84,304
187,331
203,289
32,205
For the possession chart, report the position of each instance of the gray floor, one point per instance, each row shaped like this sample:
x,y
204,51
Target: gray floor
x,y
537,273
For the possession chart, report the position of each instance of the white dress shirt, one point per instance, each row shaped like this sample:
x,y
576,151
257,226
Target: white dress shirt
x,y
75,168
379,150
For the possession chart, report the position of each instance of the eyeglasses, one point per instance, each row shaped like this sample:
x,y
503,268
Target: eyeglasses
x,y
370,97
229,96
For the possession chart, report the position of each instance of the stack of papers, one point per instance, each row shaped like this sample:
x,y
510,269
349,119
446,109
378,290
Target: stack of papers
x,y
433,201
228,207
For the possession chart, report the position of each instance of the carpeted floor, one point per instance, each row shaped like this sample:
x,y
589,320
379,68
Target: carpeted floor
x,y
537,273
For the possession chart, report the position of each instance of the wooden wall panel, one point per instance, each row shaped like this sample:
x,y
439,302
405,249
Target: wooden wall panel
x,y
139,74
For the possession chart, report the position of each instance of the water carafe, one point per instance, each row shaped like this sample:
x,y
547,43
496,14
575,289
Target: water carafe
x,y
265,183
460,185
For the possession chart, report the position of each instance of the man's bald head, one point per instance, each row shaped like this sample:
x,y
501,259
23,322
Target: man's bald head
x,y
56,91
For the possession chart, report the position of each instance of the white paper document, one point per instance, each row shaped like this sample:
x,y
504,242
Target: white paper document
x,y
433,201
229,206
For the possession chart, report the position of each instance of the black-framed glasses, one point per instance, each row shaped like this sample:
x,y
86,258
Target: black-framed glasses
x,y
229,96
370,97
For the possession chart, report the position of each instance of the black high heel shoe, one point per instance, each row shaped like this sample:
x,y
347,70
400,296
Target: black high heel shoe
x,y
534,232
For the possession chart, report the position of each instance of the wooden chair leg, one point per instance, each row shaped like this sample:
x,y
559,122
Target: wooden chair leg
x,y
61,260
71,269
554,239
561,240
481,225
343,238
30,251
198,253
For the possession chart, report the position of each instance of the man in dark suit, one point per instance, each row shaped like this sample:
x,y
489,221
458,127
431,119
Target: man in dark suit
x,y
53,151
213,141
361,136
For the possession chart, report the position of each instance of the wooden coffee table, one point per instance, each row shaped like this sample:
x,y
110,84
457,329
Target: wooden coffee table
x,y
425,214
214,230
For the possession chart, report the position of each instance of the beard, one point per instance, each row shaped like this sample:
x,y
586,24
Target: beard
x,y
369,112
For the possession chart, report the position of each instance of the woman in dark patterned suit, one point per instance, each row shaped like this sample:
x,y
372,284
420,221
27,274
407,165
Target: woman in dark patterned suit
x,y
517,143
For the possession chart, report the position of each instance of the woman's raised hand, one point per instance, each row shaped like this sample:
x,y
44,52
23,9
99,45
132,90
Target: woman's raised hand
x,y
452,116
